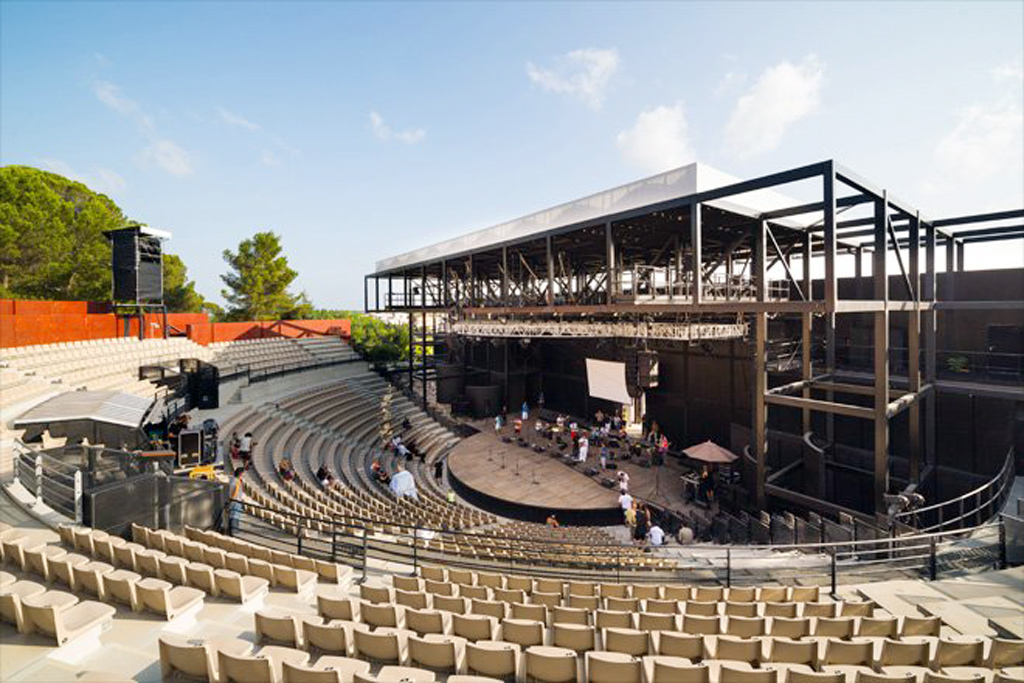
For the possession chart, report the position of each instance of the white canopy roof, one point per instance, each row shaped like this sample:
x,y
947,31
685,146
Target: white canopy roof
x,y
111,407
675,184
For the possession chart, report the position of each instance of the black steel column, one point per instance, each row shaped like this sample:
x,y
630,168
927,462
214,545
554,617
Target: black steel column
x,y
914,347
695,245
551,272
609,252
881,354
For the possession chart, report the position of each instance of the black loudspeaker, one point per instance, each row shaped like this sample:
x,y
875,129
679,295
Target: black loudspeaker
x,y
485,400
137,264
647,369
203,382
451,382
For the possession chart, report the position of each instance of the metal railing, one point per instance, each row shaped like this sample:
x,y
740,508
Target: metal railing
x,y
969,509
49,480
366,544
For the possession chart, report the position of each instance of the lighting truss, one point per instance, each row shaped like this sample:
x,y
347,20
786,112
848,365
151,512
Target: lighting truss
x,y
618,329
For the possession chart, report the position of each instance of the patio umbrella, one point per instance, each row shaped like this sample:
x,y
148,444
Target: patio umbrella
x,y
709,451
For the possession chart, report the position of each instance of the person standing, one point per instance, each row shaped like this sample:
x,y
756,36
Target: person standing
x,y
641,525
245,447
526,411
604,456
235,501
631,518
584,446
623,481
626,503
438,470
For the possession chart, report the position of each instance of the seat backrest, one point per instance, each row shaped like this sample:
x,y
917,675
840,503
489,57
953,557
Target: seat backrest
x,y
738,649
681,645
785,627
791,651
728,674
903,653
960,653
920,626
626,640
706,626
850,652
432,654
746,627
671,672
1006,652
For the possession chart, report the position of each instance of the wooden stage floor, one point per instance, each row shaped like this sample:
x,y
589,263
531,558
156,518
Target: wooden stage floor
x,y
519,475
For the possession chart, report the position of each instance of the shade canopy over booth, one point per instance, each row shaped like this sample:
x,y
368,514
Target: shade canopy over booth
x,y
710,452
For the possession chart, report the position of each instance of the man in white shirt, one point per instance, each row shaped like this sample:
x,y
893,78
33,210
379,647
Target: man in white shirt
x,y
623,481
625,501
403,484
584,448
656,535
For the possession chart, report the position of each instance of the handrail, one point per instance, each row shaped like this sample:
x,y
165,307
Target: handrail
x,y
1001,480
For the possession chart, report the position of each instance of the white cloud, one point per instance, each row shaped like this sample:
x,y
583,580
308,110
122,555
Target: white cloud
x,y
658,140
987,139
269,158
235,120
1012,72
583,74
111,95
731,81
169,156
98,179
782,95
410,136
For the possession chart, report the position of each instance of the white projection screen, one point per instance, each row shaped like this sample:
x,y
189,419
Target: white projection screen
x,y
607,380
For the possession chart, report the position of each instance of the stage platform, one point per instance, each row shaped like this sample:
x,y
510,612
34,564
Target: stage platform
x,y
518,482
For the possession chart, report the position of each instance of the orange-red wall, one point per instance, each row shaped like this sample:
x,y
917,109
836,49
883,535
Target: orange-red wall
x,y
24,323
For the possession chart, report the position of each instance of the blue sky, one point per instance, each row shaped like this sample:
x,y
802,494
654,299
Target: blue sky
x,y
358,131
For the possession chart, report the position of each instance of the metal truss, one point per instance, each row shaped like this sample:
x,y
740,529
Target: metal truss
x,y
618,329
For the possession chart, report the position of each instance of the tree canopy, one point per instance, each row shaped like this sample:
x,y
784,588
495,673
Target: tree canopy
x,y
51,236
258,280
375,339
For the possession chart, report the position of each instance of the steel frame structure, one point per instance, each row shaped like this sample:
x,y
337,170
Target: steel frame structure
x,y
637,269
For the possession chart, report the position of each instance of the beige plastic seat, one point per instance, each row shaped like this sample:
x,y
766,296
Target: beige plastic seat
x,y
646,621
262,667
412,599
423,621
488,608
678,593
89,577
474,627
233,585
492,658
857,608
172,569
780,609
840,627
704,626
469,678
576,637
869,677
433,573
391,616
159,596
6,579
745,627
742,594
439,587
699,608
196,659
478,592
546,599
804,593
454,605
570,615
438,651
329,669
396,674
796,676
11,597
119,586
627,641
848,656
709,593
44,614
733,674
334,636
684,645
124,555
61,569
819,609
488,579
1009,675
773,594
903,657
279,628
147,562
262,569
661,606
878,627
789,651
550,664
646,591
783,627
460,576
622,604
588,588
613,667
236,562
584,602
528,612
37,560
609,619
383,644
331,606
963,677
613,590
734,649
958,653
740,609
297,580
920,626
200,575
543,585
664,669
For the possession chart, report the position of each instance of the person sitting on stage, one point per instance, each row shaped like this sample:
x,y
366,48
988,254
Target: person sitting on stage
x,y
552,521
518,426
403,484
539,427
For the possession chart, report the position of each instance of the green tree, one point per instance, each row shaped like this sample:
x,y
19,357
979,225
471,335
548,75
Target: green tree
x,y
51,236
374,339
180,295
258,281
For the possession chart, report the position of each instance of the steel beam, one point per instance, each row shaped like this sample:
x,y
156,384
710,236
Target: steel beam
x,y
697,251
979,218
609,251
551,271
908,400
760,412
759,271
881,356
914,351
822,406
